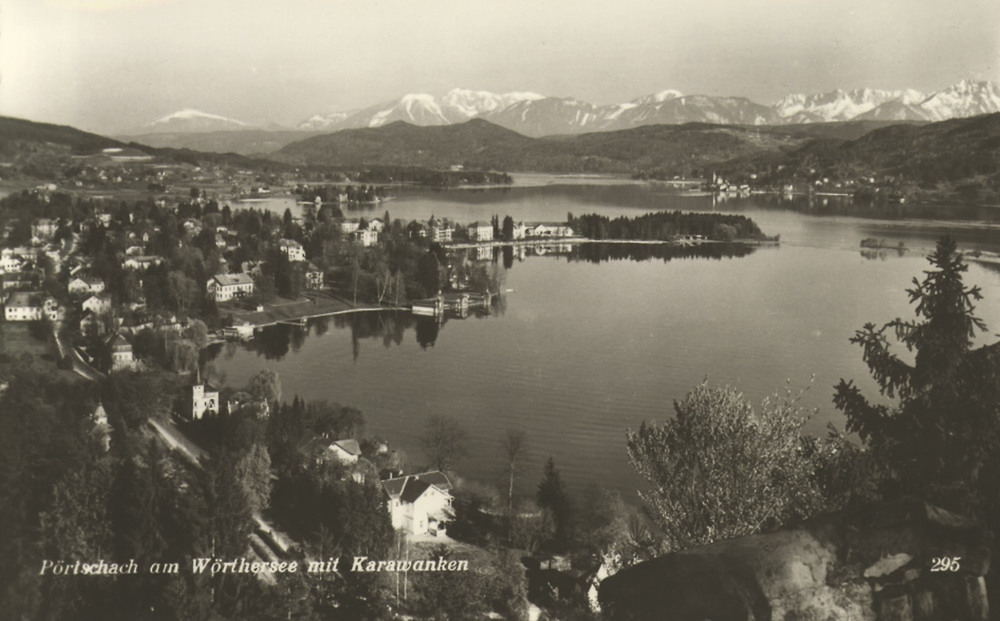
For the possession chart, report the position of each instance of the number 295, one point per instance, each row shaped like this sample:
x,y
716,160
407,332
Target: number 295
x,y
945,563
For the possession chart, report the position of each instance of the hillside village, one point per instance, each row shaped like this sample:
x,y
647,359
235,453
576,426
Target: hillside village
x,y
121,273
116,299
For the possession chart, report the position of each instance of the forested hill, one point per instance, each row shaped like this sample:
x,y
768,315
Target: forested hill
x,y
953,151
22,139
949,160
948,151
13,130
478,144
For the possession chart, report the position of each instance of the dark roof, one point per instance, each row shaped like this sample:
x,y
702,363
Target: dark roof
x,y
117,340
393,487
437,479
233,279
349,446
410,487
413,489
24,299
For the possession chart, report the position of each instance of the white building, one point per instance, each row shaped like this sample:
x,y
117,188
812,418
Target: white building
x,y
96,305
23,306
346,451
85,285
314,277
366,237
225,287
10,261
520,230
419,504
43,229
293,250
549,230
441,233
141,262
204,398
120,349
481,231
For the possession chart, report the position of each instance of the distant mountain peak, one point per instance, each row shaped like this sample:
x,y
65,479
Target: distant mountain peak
x,y
190,120
191,113
660,97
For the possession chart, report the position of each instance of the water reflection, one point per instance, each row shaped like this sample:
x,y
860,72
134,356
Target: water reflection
x,y
276,341
881,254
598,253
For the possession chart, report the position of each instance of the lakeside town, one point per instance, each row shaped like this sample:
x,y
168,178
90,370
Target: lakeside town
x,y
120,280
112,299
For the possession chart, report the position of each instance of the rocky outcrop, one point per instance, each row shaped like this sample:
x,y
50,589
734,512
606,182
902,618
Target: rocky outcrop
x,y
896,561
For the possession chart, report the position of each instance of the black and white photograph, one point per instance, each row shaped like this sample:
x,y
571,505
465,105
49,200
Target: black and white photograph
x,y
528,310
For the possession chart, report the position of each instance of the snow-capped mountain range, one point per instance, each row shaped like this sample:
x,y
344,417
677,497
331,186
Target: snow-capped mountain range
x,y
537,115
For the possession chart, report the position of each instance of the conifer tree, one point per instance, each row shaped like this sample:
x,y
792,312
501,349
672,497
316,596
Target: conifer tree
x,y
942,431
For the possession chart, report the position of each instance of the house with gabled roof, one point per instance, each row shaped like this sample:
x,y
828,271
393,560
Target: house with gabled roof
x,y
91,324
346,451
292,249
96,304
24,306
480,231
225,287
419,504
320,450
121,354
85,285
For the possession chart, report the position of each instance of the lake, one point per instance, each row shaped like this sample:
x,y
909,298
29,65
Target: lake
x,y
582,349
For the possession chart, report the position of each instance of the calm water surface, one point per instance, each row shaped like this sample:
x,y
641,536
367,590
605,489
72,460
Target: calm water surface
x,y
582,351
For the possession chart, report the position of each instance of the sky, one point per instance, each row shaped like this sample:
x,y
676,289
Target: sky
x,y
112,65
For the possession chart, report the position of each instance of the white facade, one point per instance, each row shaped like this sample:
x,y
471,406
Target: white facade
x,y
85,285
441,233
367,237
479,231
550,230
96,305
346,451
43,229
141,262
225,287
519,230
23,306
314,277
121,353
10,262
293,250
204,398
419,504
